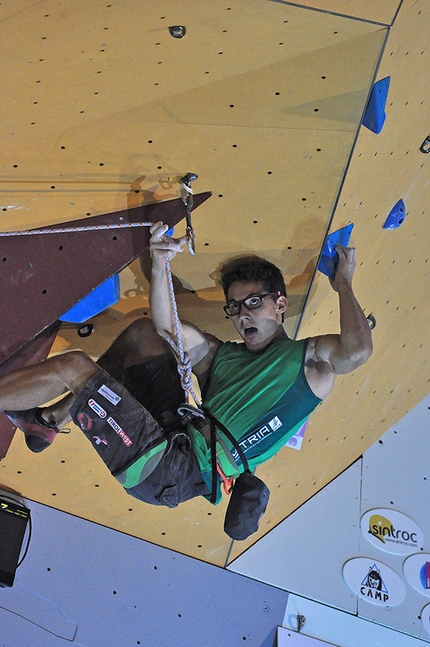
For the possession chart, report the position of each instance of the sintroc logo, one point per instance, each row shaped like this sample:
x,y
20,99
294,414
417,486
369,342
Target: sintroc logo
x,y
392,531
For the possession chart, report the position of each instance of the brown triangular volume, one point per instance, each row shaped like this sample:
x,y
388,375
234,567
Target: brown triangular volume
x,y
43,275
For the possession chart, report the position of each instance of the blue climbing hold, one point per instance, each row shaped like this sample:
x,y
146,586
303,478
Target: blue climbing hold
x,y
329,256
101,298
374,116
396,216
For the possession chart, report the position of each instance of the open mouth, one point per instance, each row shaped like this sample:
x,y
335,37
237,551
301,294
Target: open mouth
x,y
250,332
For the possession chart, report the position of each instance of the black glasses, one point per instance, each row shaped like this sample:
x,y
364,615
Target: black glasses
x,y
252,302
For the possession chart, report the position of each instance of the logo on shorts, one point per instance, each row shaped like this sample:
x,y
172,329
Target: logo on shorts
x,y
121,433
84,421
106,392
97,408
100,440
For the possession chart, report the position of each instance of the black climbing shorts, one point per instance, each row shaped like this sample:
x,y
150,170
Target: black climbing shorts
x,y
157,386
153,460
176,478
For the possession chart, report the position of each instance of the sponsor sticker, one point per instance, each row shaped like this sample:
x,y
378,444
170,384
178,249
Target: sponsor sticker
x,y
120,431
97,408
84,420
296,441
275,423
99,440
392,531
374,582
425,618
417,572
107,393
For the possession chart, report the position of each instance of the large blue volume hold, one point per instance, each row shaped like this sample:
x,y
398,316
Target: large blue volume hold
x,y
396,216
374,117
329,256
101,298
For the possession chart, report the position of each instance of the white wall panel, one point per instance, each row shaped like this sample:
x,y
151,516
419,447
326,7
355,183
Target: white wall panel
x,y
88,586
305,554
396,476
340,628
302,554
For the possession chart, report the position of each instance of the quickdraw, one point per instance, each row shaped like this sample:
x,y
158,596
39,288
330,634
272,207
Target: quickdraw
x,y
187,198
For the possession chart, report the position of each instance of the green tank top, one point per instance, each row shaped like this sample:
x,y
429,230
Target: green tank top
x,y
262,398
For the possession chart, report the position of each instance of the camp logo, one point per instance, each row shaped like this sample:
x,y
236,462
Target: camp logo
x,y
374,582
417,572
373,585
392,531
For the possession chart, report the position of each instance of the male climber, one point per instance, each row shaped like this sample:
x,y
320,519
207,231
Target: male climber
x,y
262,390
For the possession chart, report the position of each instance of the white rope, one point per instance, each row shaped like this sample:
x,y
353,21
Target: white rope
x,y
184,361
69,230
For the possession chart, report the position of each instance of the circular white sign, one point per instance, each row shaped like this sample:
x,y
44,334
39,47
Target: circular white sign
x,y
392,531
417,571
425,618
374,582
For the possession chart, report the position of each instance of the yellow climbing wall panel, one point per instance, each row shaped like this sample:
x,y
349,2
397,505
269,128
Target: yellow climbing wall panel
x,y
263,100
382,11
392,282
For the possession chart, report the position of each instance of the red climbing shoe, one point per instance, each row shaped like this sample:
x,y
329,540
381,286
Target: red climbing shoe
x,y
39,434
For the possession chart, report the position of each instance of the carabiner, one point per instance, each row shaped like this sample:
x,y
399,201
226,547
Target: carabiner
x,y
187,198
425,146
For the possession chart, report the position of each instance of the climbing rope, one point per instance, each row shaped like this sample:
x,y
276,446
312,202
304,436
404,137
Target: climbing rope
x,y
69,230
183,359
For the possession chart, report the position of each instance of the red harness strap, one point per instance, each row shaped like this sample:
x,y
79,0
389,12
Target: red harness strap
x,y
226,481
